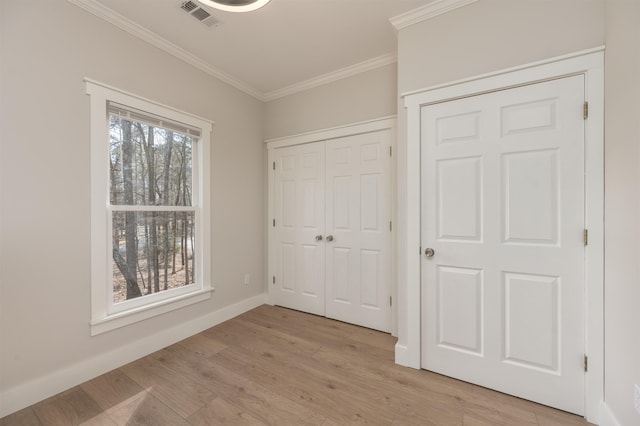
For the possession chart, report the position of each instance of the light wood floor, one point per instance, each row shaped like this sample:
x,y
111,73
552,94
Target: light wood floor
x,y
282,367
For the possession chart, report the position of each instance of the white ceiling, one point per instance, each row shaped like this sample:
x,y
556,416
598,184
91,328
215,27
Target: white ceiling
x,y
271,51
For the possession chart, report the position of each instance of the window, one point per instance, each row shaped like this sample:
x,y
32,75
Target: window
x,y
150,208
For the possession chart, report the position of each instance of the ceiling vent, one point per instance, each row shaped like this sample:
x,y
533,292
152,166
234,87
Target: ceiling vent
x,y
198,12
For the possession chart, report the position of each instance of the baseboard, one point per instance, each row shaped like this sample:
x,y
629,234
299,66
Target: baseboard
x,y
405,357
402,357
606,416
26,394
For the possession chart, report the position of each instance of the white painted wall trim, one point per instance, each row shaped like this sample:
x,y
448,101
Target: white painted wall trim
x,y
427,12
101,11
29,393
336,75
504,72
606,416
333,132
589,63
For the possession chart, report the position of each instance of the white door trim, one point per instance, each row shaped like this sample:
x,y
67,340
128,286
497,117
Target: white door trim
x,y
352,129
334,132
589,63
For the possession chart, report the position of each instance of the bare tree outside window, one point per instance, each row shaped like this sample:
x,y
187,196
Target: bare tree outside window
x,y
153,248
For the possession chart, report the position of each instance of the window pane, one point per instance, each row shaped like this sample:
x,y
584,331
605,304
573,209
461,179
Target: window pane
x,y
152,252
149,166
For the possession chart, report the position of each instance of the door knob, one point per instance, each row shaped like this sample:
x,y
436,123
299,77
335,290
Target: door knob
x,y
429,252
318,237
329,238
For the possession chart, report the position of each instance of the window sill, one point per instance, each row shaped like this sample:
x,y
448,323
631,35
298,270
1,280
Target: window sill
x,y
121,319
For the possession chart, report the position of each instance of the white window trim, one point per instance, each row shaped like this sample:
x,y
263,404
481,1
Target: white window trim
x,y
102,320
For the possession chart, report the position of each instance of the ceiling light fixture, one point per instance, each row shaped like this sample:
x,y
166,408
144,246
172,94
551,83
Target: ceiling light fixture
x,y
235,5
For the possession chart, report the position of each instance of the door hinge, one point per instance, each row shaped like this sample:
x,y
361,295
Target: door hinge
x,y
390,226
274,165
274,279
586,237
390,300
586,363
585,110
390,151
274,223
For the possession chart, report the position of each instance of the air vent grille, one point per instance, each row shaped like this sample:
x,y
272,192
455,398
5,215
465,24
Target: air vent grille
x,y
189,6
199,13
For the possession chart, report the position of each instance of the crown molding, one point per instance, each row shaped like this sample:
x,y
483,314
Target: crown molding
x,y
426,12
340,74
101,11
96,8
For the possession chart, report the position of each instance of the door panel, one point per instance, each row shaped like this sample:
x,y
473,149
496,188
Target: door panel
x,y
503,210
358,269
346,196
459,195
460,288
532,344
299,215
531,215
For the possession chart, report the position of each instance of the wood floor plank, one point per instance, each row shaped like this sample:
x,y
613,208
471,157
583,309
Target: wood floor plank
x,y
320,330
422,404
558,418
316,389
112,389
407,419
203,344
276,366
252,337
450,397
178,392
144,409
263,404
221,412
73,407
25,417
102,419
374,338
468,420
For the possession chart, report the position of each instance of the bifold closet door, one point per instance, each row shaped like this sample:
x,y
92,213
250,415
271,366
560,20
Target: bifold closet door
x,y
358,215
298,246
331,238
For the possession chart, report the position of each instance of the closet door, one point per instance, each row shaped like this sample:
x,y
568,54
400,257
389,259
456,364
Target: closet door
x,y
299,214
503,216
358,229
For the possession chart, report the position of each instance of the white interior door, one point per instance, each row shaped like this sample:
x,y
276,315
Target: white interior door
x,y
503,212
358,201
331,238
299,210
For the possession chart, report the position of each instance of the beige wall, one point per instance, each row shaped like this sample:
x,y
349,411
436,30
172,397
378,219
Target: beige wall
x,y
48,47
490,35
363,97
496,34
622,207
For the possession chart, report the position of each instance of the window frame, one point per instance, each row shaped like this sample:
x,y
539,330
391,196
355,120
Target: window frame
x,y
105,315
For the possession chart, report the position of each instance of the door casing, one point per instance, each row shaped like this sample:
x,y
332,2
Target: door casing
x,y
589,63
